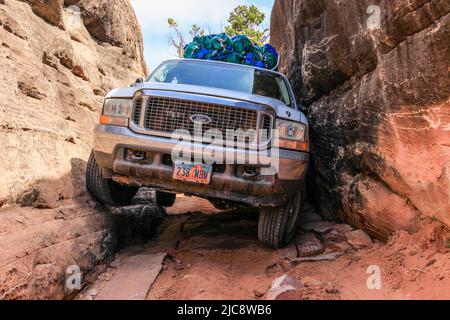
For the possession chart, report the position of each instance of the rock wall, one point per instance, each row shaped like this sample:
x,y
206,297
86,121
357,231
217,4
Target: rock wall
x,y
375,79
57,61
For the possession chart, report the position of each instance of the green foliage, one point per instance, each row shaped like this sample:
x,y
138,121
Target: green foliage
x,y
248,20
172,23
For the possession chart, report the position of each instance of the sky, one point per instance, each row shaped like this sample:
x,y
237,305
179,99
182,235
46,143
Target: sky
x,y
209,14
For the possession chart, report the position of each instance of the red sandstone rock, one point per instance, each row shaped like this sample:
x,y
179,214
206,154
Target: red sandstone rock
x,y
358,239
50,62
379,104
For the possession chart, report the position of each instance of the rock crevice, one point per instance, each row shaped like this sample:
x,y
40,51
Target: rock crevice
x,y
378,104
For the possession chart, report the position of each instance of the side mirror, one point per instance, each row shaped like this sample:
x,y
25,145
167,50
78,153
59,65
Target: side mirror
x,y
138,80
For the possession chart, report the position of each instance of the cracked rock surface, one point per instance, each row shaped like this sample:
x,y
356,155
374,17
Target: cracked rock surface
x,y
57,61
378,100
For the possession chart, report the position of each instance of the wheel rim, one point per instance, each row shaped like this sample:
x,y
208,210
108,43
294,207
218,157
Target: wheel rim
x,y
293,212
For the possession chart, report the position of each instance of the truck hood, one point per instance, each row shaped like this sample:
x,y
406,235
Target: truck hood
x,y
279,107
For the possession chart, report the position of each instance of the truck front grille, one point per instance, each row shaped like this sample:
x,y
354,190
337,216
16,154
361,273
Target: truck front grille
x,y
137,111
166,115
267,123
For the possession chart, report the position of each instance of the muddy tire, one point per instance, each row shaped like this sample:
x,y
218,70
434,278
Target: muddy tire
x,y
165,199
107,191
278,226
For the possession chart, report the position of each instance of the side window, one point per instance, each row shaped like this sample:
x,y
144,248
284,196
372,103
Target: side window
x,y
285,96
267,85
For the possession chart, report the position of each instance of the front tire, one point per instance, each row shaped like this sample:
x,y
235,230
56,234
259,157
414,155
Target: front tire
x,y
107,191
278,226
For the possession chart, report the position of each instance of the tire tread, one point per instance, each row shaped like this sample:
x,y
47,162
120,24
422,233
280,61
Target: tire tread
x,y
272,227
105,190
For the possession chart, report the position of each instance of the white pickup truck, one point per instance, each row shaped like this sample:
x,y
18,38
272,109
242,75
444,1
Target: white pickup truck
x,y
230,133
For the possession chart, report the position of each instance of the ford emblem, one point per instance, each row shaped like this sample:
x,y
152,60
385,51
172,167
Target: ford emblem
x,y
200,119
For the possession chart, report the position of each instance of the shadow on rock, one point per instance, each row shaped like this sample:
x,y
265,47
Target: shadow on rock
x,y
229,231
138,223
59,231
135,224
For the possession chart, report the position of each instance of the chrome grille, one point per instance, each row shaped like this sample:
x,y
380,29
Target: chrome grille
x,y
266,126
167,115
137,111
267,123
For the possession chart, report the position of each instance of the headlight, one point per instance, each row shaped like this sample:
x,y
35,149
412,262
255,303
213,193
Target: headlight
x,y
292,135
116,112
118,107
291,130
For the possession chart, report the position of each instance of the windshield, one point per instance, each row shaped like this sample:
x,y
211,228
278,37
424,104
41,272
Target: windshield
x,y
245,80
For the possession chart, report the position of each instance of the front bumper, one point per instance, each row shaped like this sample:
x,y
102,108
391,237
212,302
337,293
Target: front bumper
x,y
111,142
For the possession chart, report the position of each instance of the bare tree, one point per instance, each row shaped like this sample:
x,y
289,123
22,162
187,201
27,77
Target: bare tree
x,y
178,39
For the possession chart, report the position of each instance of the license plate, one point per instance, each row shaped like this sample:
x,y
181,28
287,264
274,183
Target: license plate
x,y
189,172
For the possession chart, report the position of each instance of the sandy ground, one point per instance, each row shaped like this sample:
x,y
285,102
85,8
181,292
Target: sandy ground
x,y
218,257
